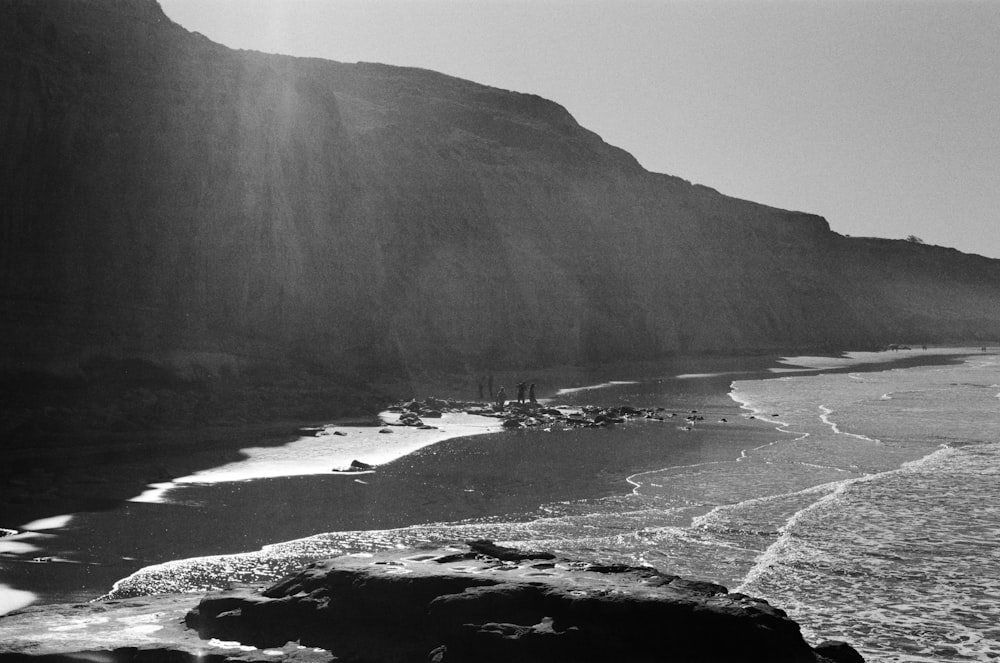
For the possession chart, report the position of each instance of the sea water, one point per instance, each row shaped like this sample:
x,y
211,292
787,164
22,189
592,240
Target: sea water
x,y
903,560
865,504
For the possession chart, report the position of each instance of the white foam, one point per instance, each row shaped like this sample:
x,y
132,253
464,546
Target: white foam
x,y
767,559
825,418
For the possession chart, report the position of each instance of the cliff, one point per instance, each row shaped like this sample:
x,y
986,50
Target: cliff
x,y
170,200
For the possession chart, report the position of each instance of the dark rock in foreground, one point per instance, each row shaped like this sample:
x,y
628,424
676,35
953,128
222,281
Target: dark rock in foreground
x,y
496,604
477,603
148,629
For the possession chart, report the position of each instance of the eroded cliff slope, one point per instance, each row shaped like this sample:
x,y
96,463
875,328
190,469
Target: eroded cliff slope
x,y
168,198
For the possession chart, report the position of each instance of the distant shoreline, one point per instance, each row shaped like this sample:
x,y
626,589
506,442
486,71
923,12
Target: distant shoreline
x,y
106,487
94,471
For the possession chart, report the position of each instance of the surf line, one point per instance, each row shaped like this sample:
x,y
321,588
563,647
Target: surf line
x,y
773,555
824,416
636,484
759,413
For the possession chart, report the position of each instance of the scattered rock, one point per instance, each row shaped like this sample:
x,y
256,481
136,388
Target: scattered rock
x,y
526,415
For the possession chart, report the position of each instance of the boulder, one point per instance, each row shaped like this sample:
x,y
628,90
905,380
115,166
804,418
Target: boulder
x,y
838,652
488,603
410,419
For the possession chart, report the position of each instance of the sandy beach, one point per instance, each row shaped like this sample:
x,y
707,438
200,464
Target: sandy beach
x,y
235,495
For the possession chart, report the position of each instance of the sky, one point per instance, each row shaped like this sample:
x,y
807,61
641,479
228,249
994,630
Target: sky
x,y
883,117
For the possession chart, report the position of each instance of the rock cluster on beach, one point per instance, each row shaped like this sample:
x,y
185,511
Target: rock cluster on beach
x,y
530,415
476,602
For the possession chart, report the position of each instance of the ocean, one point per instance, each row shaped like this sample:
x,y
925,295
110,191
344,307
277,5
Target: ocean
x,y
863,501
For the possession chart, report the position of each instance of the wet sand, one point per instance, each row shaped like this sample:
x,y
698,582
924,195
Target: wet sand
x,y
498,474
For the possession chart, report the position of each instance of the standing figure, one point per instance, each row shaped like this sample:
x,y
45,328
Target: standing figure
x,y
520,392
501,397
531,393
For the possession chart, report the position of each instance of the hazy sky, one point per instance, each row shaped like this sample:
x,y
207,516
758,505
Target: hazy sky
x,y
884,117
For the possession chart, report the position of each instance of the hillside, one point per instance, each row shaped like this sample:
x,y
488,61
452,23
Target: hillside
x,y
203,209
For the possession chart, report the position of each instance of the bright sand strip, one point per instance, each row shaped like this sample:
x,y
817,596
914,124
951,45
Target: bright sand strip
x,y
14,599
330,452
812,363
13,543
573,390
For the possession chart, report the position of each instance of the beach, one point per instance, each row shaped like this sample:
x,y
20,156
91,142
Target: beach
x,y
707,501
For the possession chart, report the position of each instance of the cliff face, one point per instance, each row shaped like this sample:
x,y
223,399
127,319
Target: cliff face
x,y
167,198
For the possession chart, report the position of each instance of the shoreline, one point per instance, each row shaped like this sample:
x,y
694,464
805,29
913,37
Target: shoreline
x,y
395,480
333,448
110,468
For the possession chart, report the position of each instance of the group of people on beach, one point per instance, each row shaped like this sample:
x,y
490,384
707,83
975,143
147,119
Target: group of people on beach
x,y
501,396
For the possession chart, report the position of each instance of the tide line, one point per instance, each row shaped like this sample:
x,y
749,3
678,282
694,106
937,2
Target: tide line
x,y
773,553
825,418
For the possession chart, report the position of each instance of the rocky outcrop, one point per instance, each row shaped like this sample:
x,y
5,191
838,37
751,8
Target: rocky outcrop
x,y
497,604
530,415
206,210
478,602
148,629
